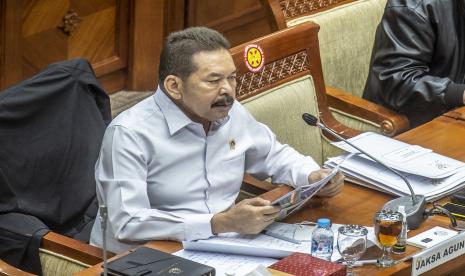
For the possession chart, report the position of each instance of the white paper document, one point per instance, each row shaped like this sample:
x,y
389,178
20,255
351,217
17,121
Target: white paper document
x,y
226,264
376,176
252,245
267,246
404,157
430,174
294,200
431,237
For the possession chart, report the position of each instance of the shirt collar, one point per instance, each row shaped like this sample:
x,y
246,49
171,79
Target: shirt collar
x,y
175,117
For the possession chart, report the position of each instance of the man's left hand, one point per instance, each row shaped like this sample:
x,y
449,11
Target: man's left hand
x,y
330,189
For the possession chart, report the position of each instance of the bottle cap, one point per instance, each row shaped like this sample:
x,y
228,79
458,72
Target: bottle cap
x,y
323,222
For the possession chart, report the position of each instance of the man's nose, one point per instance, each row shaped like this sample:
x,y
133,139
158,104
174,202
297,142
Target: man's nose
x,y
227,87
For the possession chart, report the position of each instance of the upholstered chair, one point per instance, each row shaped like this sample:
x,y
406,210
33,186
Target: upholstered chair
x,y
279,77
347,29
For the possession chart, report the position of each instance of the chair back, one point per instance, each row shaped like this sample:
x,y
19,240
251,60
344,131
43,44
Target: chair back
x,y
279,77
279,12
347,32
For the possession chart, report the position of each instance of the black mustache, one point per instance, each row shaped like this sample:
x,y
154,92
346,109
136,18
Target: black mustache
x,y
227,100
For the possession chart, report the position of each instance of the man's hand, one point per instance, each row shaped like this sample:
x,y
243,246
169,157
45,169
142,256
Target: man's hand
x,y
250,216
333,187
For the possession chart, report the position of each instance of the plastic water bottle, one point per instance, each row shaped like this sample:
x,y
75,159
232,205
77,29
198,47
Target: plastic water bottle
x,y
399,247
322,240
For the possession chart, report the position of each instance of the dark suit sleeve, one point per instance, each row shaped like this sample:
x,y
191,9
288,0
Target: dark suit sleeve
x,y
403,51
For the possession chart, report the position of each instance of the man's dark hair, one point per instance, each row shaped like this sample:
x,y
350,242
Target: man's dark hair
x,y
176,55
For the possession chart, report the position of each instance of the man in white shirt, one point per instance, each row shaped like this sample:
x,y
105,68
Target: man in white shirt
x,y
171,167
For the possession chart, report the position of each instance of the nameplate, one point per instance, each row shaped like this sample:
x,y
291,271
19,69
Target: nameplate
x,y
443,252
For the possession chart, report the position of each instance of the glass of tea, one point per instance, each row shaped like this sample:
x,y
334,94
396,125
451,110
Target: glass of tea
x,y
388,225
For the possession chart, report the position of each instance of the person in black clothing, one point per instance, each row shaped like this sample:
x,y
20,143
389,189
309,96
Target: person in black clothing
x,y
417,66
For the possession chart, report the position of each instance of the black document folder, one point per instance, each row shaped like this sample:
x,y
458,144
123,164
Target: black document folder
x,y
145,261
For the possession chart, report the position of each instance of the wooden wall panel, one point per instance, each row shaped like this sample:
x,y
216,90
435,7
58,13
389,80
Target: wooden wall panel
x,y
239,21
10,43
55,30
147,33
121,38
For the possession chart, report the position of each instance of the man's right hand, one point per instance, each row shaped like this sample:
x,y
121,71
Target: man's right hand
x,y
250,216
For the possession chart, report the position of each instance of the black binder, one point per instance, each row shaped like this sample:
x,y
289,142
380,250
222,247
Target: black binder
x,y
147,261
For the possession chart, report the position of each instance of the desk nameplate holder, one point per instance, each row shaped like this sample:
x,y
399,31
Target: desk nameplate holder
x,y
432,257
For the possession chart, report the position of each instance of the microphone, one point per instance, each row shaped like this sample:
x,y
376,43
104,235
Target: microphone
x,y
414,204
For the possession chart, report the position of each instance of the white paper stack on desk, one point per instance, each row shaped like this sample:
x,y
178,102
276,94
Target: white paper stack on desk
x,y
238,254
430,174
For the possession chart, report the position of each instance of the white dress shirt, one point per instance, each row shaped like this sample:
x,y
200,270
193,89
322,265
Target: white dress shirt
x,y
163,178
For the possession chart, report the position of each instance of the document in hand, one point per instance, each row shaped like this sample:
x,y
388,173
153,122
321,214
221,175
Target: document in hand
x,y
294,200
430,174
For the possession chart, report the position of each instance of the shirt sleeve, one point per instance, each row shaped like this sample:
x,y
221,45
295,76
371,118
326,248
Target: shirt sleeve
x,y
269,158
121,173
403,51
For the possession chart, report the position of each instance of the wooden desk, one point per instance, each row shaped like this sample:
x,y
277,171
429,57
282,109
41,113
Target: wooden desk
x,y
357,204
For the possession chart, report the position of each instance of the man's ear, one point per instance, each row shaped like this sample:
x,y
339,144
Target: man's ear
x,y
173,86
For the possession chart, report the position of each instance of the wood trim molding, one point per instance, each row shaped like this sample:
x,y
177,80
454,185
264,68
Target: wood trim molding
x,y
73,249
173,20
391,123
227,23
10,53
284,69
120,59
145,43
274,14
9,270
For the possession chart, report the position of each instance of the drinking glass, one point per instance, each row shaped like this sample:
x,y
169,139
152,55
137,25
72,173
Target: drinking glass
x,y
351,243
388,225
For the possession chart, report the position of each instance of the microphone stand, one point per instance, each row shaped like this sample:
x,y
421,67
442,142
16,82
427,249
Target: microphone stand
x,y
103,224
415,205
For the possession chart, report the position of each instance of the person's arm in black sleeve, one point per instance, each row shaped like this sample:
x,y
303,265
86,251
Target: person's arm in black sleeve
x,y
401,61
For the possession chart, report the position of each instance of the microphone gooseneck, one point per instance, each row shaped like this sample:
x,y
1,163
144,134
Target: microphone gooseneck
x,y
415,207
313,121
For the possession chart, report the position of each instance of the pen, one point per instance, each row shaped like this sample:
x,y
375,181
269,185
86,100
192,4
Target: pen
x,y
280,237
364,262
358,263
306,223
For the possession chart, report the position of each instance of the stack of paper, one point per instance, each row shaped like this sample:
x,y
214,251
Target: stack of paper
x,y
431,237
233,253
430,174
